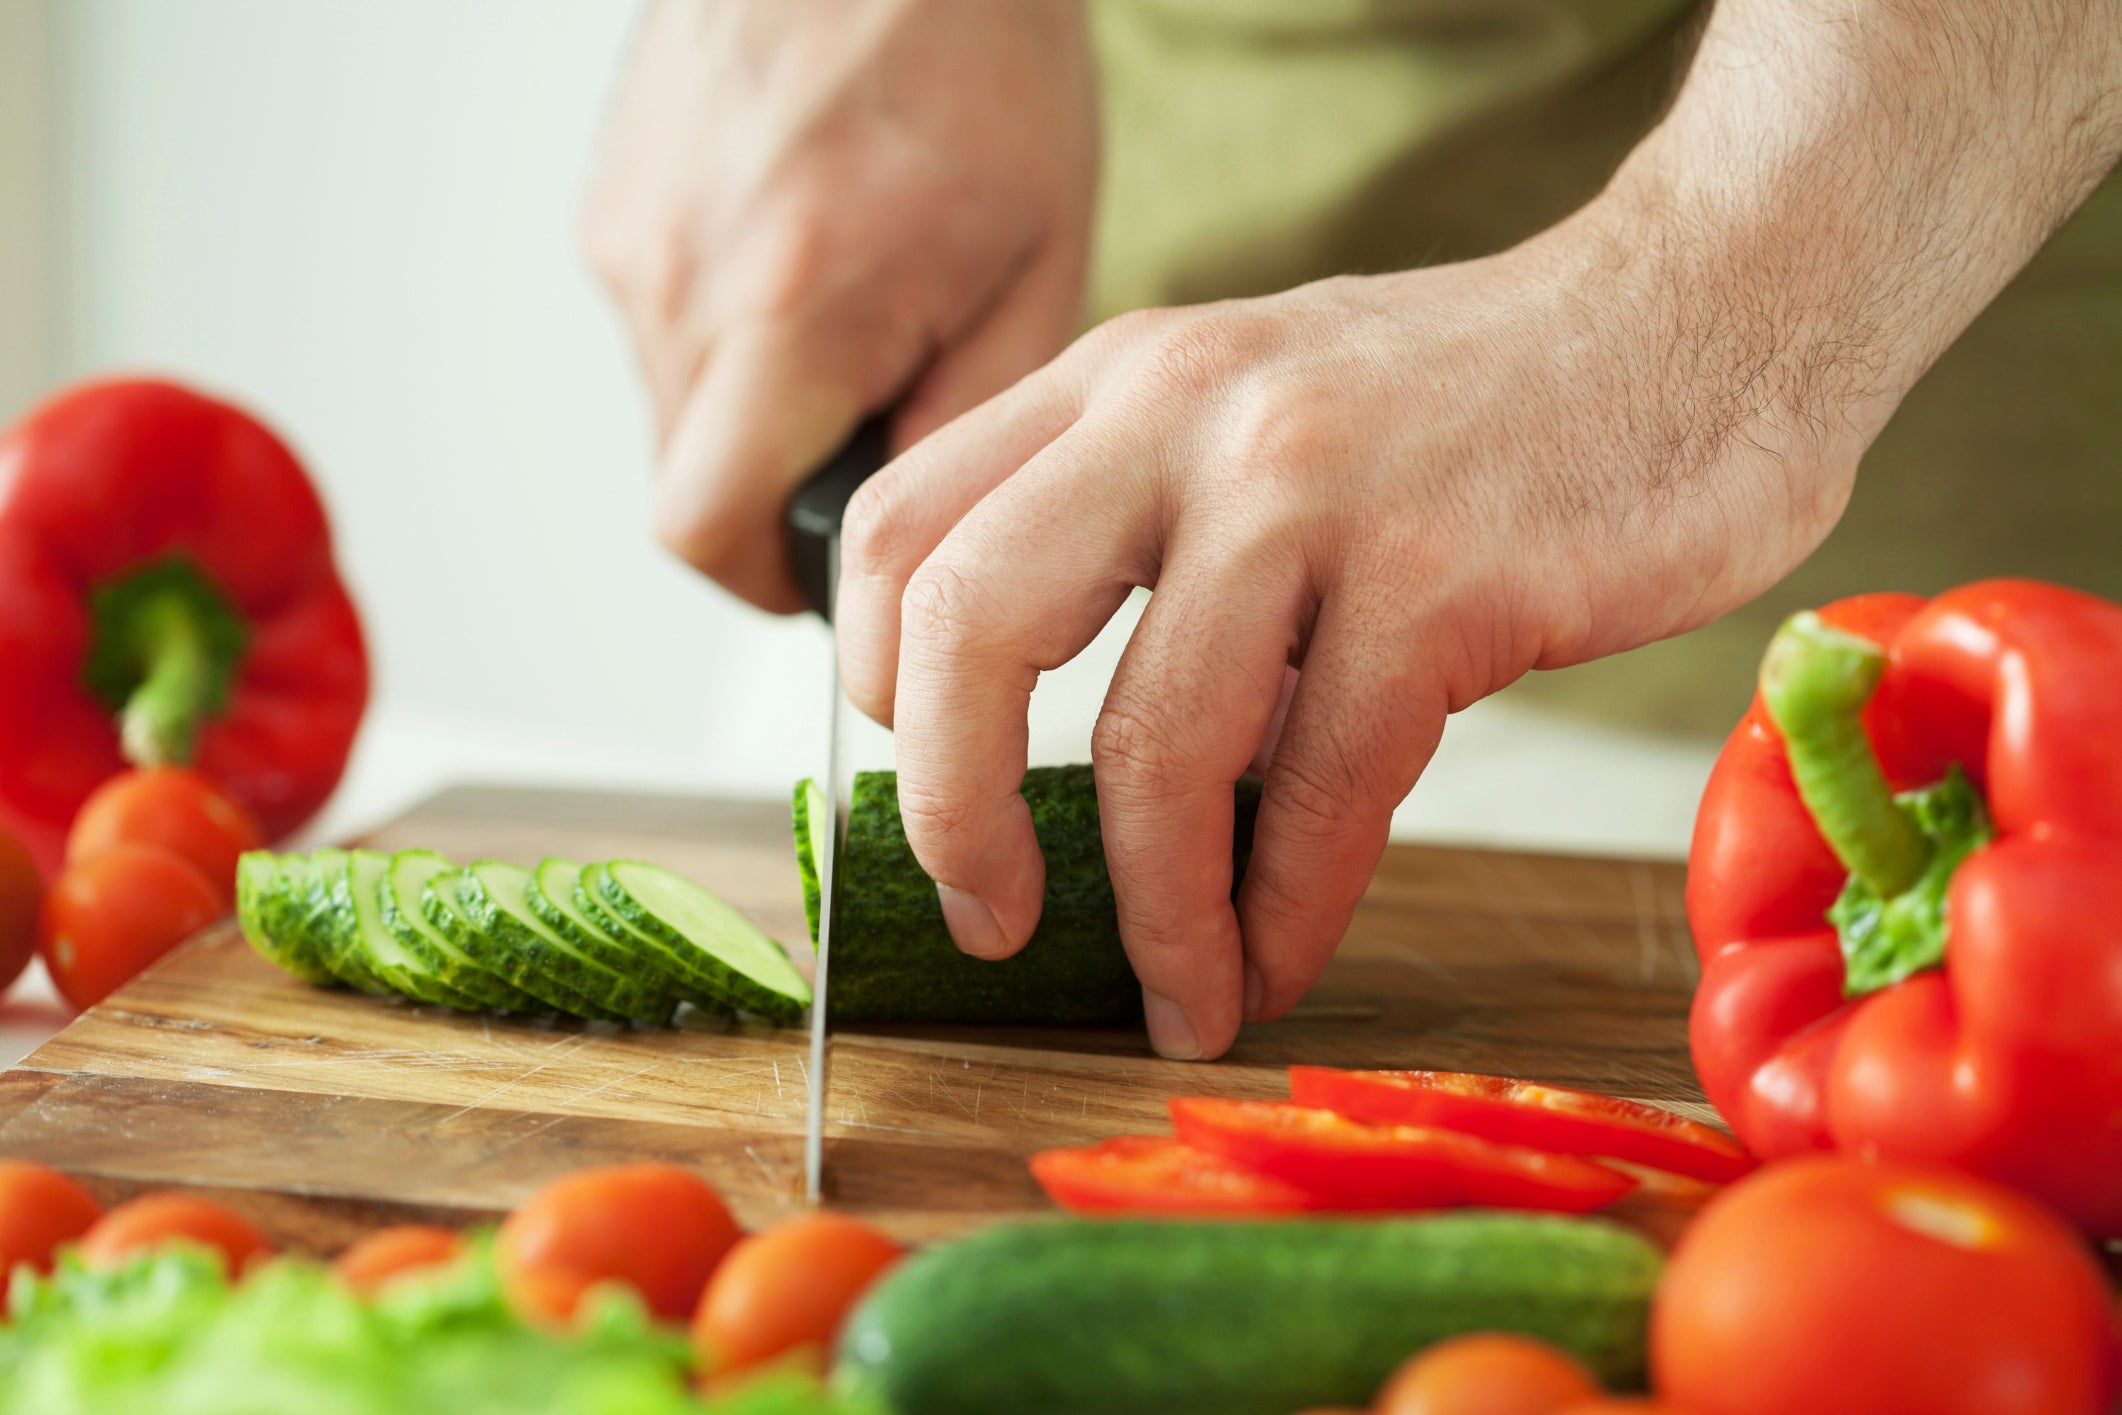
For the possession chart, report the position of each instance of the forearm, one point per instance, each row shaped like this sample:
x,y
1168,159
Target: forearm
x,y
1843,185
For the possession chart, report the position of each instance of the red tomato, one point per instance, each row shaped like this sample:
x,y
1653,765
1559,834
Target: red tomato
x,y
1486,1373
1155,1174
1826,1285
169,806
375,1260
786,1290
1621,1405
108,917
21,894
39,1210
655,1227
160,1219
1360,1166
1552,1118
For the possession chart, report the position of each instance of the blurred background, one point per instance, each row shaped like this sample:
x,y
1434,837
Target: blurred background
x,y
358,220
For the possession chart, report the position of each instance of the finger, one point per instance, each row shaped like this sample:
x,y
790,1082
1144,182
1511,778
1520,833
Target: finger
x,y
1034,319
771,404
901,515
1189,703
1002,599
1361,727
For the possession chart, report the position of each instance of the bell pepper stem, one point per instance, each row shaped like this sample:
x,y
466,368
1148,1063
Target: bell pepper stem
x,y
159,724
1815,681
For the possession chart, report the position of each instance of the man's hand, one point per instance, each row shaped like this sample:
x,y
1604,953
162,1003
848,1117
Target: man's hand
x,y
1415,488
806,208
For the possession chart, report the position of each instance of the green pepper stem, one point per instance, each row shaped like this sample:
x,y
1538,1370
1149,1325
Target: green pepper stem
x,y
1815,681
179,685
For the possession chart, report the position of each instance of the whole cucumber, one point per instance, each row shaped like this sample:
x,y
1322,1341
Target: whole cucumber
x,y
893,958
1218,1318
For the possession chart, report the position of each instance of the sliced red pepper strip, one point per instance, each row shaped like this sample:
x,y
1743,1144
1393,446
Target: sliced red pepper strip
x,y
1155,1174
1357,1166
167,593
1554,1118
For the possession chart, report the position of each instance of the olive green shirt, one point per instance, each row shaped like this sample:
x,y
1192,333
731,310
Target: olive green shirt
x,y
1255,144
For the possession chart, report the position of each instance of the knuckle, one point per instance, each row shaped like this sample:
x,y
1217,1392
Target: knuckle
x,y
804,252
1318,796
1134,754
1276,434
940,609
936,821
879,532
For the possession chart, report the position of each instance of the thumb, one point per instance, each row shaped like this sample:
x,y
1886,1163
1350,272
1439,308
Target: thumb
x,y
1033,319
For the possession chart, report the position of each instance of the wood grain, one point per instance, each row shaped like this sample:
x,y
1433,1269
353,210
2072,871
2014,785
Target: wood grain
x,y
322,1113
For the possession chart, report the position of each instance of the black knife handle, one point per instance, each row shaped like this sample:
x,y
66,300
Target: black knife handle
x,y
820,504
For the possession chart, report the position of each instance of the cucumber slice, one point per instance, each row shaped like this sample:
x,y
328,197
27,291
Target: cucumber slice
x,y
554,893
493,897
810,807
745,963
399,904
407,971
442,905
272,896
328,920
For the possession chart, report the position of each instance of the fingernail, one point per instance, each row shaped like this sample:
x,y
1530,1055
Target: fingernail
x,y
972,924
1255,992
1170,1034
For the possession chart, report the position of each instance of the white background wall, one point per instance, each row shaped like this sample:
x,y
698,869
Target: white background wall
x,y
358,218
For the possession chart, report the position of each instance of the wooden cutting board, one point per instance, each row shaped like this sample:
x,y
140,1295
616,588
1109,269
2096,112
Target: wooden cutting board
x,y
324,1113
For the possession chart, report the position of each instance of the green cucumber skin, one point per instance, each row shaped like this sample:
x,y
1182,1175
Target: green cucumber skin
x,y
745,994
441,903
893,958
1233,1318
615,998
271,897
611,940
329,923
806,853
408,972
484,990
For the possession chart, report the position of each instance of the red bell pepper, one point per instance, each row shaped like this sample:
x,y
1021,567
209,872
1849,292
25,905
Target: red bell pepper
x,y
167,596
1934,975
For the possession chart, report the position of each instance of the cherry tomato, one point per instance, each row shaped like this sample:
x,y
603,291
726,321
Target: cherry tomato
x,y
177,809
40,1209
1155,1174
375,1260
1621,1405
1555,1118
1359,1166
159,1219
1486,1373
786,1290
655,1227
21,895
110,916
1826,1285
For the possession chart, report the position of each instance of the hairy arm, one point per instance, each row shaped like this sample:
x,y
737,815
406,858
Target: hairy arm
x,y
1843,185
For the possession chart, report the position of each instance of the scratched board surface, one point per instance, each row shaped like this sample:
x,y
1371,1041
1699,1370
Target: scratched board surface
x,y
322,1113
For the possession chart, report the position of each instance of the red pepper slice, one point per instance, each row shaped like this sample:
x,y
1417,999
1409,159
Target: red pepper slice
x,y
1155,1174
1554,1118
167,596
1358,1166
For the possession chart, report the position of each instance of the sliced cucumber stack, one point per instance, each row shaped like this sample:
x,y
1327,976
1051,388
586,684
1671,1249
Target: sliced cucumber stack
x,y
743,963
398,902
624,947
272,898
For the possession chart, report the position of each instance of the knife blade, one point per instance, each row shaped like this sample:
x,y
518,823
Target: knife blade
x,y
815,514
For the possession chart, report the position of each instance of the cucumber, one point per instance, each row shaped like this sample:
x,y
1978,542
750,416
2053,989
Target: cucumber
x,y
328,921
492,895
272,898
404,884
893,958
744,964
441,904
407,971
1233,1318
811,810
554,893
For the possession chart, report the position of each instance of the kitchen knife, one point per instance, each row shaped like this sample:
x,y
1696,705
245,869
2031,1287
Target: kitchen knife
x,y
815,513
